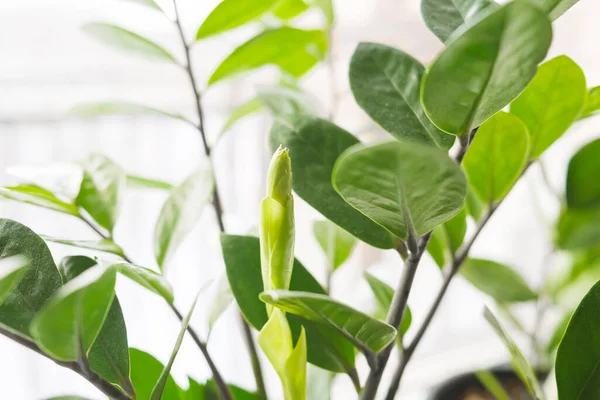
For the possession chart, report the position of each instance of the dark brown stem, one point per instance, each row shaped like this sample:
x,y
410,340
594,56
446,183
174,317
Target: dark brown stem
x,y
100,383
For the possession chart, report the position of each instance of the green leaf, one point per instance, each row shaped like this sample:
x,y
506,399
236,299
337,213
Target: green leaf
x,y
492,385
38,282
337,244
521,366
109,355
578,354
11,271
583,192
238,393
294,51
221,300
447,238
497,157
326,348
384,295
486,67
578,229
35,195
282,101
592,103
161,383
126,40
121,108
288,9
250,107
498,281
62,180
102,190
473,204
554,8
104,245
145,372
69,323
443,17
408,188
326,7
230,14
147,278
366,333
385,82
314,146
139,182
181,212
551,102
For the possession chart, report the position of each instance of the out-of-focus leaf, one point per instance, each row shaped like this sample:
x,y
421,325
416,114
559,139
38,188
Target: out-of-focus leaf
x,y
492,384
447,238
61,179
11,271
443,17
104,245
385,82
146,183
126,40
551,102
384,295
102,190
583,189
592,103
406,187
558,333
497,157
147,278
578,229
326,7
282,101
147,3
473,204
37,196
293,50
337,244
554,8
180,213
485,67
288,9
38,281
221,300
121,108
250,107
315,144
145,371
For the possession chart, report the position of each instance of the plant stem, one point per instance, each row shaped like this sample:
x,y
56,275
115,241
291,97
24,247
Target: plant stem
x,y
216,198
260,385
100,383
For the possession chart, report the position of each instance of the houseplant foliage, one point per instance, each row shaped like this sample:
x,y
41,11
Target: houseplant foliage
x,y
463,130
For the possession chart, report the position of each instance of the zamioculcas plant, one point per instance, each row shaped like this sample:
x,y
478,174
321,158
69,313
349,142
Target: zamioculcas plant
x,y
463,130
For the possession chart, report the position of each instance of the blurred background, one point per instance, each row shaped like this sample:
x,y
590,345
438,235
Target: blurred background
x,y
47,65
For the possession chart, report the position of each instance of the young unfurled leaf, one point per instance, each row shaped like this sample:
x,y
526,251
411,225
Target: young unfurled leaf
x,y
498,281
368,334
146,183
104,245
497,157
68,324
145,372
39,280
583,191
120,108
592,103
314,146
485,67
180,213
230,14
554,8
161,383
126,40
337,244
408,188
102,190
11,271
551,102
37,196
386,84
522,368
293,50
384,295
147,278
443,17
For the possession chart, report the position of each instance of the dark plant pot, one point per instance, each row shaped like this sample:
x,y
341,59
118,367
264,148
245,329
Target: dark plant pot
x,y
468,387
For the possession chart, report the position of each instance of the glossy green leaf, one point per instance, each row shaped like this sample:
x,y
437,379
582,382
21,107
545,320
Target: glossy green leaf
x,y
492,384
161,383
230,14
384,295
181,212
368,334
583,189
326,348
121,108
498,281
147,278
103,245
11,271
551,102
485,67
138,182
522,368
145,372
294,51
578,356
447,238
337,244
250,107
497,157
36,196
578,229
554,8
288,9
126,40
38,282
386,84
592,103
69,323
443,17
109,355
408,188
102,190
314,146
